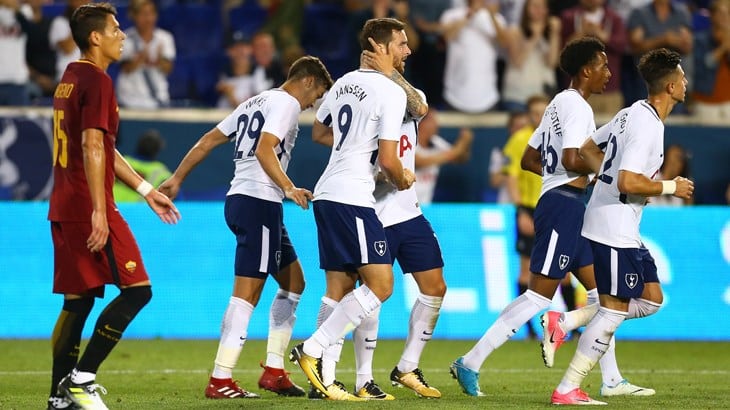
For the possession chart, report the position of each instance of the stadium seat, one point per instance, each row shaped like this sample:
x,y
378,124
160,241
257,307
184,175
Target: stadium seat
x,y
247,18
180,79
197,28
326,34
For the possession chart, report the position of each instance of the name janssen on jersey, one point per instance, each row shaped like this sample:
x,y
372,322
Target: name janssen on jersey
x,y
353,89
257,101
555,121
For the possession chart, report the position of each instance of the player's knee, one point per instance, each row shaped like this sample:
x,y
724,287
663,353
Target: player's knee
x,y
137,296
80,306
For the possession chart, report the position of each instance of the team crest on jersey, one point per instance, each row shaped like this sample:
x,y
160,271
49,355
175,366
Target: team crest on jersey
x,y
631,280
380,247
563,261
277,256
131,266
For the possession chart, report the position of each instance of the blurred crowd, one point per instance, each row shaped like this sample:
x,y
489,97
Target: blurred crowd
x,y
471,56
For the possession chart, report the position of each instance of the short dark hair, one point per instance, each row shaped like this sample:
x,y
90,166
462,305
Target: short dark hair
x,y
87,19
656,65
310,66
149,144
578,53
381,30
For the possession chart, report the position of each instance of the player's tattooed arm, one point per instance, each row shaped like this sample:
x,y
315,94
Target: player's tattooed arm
x,y
414,103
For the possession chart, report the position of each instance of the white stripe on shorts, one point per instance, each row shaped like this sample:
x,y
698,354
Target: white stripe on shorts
x,y
362,240
614,272
264,262
550,253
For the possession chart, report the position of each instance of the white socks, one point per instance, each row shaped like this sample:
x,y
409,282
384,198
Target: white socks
x,y
516,314
331,354
234,331
423,319
642,308
348,314
281,323
592,345
365,339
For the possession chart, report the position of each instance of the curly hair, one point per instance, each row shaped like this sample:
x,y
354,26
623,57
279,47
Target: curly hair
x,y
578,53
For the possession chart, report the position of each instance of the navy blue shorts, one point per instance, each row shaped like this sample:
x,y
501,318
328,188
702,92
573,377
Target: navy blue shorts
x,y
263,245
622,272
349,237
414,245
559,246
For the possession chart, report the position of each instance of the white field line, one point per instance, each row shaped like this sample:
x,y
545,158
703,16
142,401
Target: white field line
x,y
379,371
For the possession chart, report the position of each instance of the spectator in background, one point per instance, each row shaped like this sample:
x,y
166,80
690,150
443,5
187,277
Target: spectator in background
x,y
13,71
524,189
712,66
432,151
61,40
512,11
147,59
237,84
663,23
532,56
268,71
145,162
285,25
39,56
676,164
593,17
497,160
427,63
624,7
473,35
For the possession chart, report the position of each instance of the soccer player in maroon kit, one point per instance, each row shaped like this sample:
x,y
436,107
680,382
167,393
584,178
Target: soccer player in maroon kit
x,y
92,243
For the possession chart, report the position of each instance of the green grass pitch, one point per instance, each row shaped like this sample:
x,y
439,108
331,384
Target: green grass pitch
x,y
171,374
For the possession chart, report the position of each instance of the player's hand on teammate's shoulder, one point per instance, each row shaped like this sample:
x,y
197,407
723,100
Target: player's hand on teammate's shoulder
x,y
685,187
163,207
300,196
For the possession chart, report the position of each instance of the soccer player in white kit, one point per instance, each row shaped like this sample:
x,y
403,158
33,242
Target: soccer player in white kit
x,y
412,242
626,274
365,110
264,129
553,152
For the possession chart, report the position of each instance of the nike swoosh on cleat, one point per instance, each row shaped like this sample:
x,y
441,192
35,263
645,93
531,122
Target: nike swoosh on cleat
x,y
600,342
552,340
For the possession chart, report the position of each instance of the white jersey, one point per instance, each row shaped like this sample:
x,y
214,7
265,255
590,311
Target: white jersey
x,y
634,141
391,205
362,107
567,123
274,111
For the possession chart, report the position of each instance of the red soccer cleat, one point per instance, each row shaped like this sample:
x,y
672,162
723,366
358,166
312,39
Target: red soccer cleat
x,y
278,381
575,397
227,389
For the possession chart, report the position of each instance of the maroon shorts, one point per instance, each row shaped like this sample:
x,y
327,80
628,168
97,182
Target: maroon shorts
x,y
78,271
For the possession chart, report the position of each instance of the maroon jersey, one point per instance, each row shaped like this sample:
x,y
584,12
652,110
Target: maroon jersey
x,y
83,99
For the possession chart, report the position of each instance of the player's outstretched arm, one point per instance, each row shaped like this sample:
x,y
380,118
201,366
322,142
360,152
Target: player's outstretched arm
x,y
160,204
195,156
